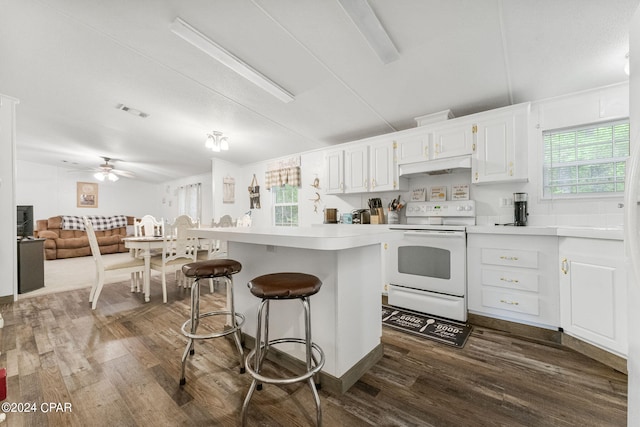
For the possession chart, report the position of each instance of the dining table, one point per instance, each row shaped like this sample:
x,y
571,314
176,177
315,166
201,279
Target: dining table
x,y
145,245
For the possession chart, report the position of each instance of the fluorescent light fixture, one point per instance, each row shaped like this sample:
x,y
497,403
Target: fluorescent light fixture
x,y
371,29
217,52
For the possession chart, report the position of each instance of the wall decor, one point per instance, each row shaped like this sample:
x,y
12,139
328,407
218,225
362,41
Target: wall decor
x,y
254,194
228,190
418,195
87,194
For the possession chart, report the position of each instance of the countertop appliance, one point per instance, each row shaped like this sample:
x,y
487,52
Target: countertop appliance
x,y
427,267
520,208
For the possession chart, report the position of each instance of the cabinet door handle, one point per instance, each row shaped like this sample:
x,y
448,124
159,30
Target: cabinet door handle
x,y
509,280
564,266
504,301
509,258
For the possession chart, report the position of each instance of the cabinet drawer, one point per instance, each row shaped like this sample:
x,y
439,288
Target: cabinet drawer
x,y
510,257
523,280
520,303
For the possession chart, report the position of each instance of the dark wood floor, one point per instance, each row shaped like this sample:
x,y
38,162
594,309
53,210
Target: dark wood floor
x,y
119,365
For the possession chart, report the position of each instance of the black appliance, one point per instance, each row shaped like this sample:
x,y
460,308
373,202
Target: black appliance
x,y
520,208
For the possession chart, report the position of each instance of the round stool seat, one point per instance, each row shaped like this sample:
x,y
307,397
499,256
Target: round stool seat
x,y
284,286
211,268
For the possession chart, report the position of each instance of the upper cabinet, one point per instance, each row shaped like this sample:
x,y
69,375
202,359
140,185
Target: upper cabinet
x,y
356,169
365,166
500,145
334,161
412,145
452,138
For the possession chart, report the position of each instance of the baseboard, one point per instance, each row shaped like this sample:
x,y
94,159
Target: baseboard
x,y
609,359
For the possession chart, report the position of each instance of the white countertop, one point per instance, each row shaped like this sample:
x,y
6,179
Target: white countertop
x,y
587,232
329,237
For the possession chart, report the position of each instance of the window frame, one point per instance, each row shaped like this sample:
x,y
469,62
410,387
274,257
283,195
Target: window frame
x,y
545,192
285,204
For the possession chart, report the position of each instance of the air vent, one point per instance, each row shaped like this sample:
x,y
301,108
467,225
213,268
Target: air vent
x,y
132,111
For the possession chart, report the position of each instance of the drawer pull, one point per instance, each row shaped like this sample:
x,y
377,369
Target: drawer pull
x,y
509,280
509,302
509,258
564,266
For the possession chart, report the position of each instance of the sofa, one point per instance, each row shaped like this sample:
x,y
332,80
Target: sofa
x,y
65,236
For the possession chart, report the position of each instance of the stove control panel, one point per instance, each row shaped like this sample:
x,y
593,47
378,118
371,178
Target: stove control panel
x,y
449,208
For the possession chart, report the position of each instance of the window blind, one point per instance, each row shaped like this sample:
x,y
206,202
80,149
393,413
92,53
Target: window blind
x,y
585,160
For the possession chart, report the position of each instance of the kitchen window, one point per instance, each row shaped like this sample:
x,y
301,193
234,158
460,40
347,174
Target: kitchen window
x,y
586,160
285,206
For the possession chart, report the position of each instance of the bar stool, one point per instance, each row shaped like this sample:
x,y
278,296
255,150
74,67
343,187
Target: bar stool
x,y
215,268
283,286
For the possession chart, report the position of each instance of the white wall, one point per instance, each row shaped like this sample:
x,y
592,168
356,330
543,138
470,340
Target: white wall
x,y
52,191
8,253
633,361
166,197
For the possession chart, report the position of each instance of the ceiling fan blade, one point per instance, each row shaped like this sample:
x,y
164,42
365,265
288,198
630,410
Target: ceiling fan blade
x,y
126,174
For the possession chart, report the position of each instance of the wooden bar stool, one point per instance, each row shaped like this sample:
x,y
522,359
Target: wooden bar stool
x,y
283,286
210,269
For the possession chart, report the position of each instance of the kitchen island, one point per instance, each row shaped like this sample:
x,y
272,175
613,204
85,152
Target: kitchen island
x,y
346,313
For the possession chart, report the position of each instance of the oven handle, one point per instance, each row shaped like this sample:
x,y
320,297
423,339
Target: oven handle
x,y
436,233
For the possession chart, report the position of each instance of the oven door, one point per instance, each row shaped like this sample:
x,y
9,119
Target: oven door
x,y
430,260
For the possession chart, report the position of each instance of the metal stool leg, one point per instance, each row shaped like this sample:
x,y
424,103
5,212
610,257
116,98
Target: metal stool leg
x,y
195,317
307,331
237,335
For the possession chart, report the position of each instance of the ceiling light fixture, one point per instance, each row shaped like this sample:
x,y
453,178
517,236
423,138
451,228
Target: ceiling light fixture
x,y
217,52
626,64
101,176
371,29
216,142
133,111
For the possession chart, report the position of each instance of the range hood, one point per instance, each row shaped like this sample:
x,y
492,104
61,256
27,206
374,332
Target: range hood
x,y
435,167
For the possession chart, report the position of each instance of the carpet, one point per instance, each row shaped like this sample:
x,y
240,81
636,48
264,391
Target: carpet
x,y
442,330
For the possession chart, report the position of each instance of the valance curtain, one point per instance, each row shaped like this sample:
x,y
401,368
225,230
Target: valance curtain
x,y
280,177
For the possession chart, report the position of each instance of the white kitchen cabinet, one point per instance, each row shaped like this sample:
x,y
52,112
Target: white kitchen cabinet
x,y
593,292
452,138
356,169
412,145
383,170
500,145
334,161
512,277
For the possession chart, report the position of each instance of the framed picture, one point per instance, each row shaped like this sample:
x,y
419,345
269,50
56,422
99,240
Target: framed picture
x,y
87,195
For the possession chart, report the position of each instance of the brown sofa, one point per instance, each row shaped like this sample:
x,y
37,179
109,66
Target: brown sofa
x,y
61,243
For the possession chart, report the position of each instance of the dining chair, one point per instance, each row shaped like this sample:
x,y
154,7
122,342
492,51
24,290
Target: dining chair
x,y
132,265
178,249
149,226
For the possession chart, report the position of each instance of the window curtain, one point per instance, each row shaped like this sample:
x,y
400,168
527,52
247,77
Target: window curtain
x,y
280,177
283,172
190,201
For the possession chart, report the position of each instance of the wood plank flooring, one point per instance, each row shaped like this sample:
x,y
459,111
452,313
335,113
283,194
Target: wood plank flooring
x,y
120,365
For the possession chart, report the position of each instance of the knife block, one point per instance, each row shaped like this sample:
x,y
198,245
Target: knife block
x,y
377,216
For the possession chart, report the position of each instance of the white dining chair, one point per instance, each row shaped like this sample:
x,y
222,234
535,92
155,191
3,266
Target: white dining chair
x,y
178,249
132,265
149,226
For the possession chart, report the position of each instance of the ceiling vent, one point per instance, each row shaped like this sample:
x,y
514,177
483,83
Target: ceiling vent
x,y
132,111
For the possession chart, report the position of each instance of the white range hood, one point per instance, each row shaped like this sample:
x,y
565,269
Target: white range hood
x,y
435,167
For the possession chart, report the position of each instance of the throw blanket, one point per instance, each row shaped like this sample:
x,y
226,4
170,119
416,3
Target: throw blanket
x,y
100,223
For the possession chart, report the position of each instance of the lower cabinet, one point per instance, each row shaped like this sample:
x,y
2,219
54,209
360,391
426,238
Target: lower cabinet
x,y
514,278
593,292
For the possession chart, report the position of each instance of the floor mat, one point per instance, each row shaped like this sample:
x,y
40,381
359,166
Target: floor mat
x,y
443,330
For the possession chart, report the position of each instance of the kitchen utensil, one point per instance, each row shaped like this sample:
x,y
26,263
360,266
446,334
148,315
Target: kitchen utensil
x,y
430,321
390,316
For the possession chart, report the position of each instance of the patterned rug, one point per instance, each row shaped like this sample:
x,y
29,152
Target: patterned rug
x,y
442,330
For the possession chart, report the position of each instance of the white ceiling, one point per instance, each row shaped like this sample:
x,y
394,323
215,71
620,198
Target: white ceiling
x,y
71,62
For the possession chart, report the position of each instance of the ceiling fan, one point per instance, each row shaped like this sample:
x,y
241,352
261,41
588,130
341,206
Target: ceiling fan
x,y
107,171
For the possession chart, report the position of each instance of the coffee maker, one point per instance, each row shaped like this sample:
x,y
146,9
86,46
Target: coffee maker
x,y
520,209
